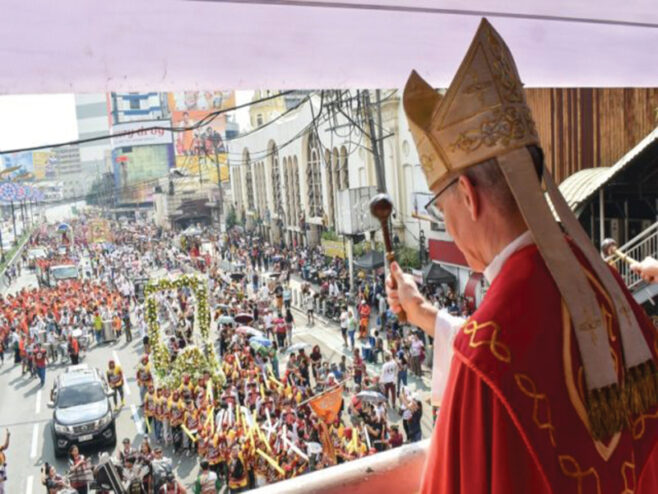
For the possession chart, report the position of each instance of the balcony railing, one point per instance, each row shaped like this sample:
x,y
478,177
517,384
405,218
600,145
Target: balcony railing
x,y
397,470
643,245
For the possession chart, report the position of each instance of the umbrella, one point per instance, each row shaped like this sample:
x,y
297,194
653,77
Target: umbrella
x,y
329,272
222,307
250,330
296,347
260,340
237,276
373,396
275,275
225,320
261,349
243,318
277,258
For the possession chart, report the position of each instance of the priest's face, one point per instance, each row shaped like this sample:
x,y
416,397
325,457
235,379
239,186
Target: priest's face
x,y
462,213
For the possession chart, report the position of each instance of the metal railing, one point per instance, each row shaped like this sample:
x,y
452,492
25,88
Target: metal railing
x,y
397,470
642,245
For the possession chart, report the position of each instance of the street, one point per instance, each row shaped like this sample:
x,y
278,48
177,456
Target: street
x,y
25,412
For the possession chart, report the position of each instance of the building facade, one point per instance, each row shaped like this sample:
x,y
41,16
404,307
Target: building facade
x,y
131,107
289,187
92,112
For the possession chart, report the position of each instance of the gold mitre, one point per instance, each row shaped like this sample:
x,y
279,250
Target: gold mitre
x,y
483,114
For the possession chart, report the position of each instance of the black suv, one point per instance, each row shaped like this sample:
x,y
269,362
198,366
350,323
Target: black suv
x,y
82,410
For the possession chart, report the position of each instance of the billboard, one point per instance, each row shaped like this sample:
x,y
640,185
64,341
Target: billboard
x,y
44,165
19,163
187,109
201,100
208,168
143,133
138,168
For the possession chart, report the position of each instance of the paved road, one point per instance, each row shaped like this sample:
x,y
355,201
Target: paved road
x,y
24,405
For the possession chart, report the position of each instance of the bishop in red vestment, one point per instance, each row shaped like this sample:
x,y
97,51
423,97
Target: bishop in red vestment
x,y
551,385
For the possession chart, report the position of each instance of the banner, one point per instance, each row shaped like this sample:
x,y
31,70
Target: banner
x,y
188,109
19,163
333,248
327,405
143,135
208,167
44,165
99,231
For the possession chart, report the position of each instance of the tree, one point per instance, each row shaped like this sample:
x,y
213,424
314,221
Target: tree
x,y
231,218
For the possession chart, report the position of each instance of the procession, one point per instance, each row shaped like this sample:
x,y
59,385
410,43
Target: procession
x,y
291,247
221,377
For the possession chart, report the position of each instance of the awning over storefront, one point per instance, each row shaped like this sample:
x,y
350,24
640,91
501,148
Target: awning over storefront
x,y
434,273
126,45
370,261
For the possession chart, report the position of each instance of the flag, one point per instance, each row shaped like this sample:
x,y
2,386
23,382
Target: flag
x,y
327,405
327,444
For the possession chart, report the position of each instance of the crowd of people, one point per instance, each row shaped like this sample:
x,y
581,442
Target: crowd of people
x,y
260,423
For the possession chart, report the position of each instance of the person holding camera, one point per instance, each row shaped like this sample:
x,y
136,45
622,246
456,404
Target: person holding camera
x,y
53,481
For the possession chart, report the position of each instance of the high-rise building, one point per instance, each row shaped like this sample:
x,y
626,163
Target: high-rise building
x,y
132,107
93,122
69,171
140,155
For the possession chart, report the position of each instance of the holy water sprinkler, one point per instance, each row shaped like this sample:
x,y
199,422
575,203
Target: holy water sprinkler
x,y
381,207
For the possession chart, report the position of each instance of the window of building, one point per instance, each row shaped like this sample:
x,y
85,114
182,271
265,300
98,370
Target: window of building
x,y
134,104
259,120
314,177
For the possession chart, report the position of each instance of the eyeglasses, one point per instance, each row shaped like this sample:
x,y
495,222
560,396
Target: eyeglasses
x,y
431,207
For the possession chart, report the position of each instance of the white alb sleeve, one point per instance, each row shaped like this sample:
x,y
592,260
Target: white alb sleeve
x,y
445,329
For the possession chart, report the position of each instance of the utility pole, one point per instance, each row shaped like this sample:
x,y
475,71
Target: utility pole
x,y
379,165
13,219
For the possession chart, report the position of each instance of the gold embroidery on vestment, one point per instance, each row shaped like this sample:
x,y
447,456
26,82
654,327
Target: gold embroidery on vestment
x,y
639,426
628,466
576,398
527,386
571,468
498,349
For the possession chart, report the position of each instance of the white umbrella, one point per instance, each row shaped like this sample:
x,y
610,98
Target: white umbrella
x,y
374,396
296,347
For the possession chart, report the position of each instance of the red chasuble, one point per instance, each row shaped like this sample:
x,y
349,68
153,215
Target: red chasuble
x,y
513,418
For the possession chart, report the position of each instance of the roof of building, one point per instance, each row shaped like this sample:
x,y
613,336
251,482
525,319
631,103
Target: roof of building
x,y
580,187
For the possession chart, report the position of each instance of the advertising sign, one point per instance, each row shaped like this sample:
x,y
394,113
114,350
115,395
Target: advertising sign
x,y
20,162
188,109
137,169
44,165
333,248
144,134
208,167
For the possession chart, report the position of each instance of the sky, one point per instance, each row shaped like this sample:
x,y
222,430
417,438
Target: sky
x,y
34,120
